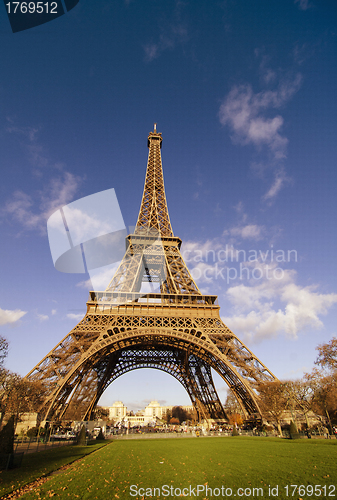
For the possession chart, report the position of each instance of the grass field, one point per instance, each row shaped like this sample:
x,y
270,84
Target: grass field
x,y
122,468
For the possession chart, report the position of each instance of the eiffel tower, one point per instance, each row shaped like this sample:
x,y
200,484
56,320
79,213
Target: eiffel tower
x,y
175,328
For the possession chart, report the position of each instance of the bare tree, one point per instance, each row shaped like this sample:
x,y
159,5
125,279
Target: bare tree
x,y
18,395
327,355
232,406
3,351
302,396
324,389
273,401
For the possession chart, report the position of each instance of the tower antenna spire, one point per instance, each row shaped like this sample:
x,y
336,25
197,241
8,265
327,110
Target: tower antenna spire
x,y
155,128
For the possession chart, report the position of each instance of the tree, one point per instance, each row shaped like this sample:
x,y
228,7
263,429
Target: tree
x,y
323,382
325,401
101,413
297,393
192,415
179,413
3,351
233,410
273,401
327,354
235,419
168,416
18,395
3,372
302,396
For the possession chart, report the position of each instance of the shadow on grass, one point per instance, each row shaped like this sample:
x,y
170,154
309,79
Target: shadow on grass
x,y
42,463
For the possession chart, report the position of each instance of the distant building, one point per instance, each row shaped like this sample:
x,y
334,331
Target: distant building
x,y
117,410
27,421
152,414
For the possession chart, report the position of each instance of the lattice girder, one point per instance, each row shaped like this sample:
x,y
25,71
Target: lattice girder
x,y
153,212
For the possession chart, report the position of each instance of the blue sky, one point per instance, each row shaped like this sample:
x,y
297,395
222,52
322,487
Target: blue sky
x,y
244,94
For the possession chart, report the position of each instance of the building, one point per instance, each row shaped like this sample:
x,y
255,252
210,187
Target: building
x,y
152,414
117,411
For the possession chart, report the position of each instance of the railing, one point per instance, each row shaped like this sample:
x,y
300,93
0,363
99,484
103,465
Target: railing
x,y
150,298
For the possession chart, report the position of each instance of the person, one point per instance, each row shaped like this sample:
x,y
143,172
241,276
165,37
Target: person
x,y
326,432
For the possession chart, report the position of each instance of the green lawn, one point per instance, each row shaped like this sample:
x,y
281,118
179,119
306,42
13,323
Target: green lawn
x,y
35,465
233,462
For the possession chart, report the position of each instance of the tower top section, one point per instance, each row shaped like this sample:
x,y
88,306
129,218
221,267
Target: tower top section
x,y
153,214
154,136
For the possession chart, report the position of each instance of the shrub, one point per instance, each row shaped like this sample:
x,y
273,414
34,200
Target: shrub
x,y
100,436
81,441
293,431
32,432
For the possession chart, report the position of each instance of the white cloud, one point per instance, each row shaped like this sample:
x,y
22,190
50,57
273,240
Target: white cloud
x,y
269,302
203,273
151,51
172,33
279,181
28,137
168,39
196,251
244,112
57,193
19,208
252,119
276,307
303,4
36,152
43,317
32,212
77,317
84,225
8,316
53,312
250,231
99,278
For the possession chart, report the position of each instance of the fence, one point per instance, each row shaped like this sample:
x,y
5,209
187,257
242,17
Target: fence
x,y
30,445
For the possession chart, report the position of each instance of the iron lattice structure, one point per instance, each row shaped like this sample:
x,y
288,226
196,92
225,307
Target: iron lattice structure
x,y
175,328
